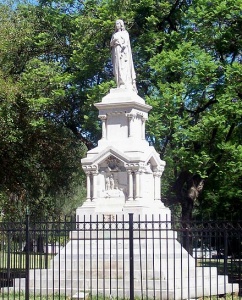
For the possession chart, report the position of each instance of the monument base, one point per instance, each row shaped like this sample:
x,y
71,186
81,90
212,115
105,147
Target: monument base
x,y
123,178
97,260
156,212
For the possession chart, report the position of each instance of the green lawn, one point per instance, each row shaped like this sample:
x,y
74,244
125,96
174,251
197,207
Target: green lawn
x,y
21,296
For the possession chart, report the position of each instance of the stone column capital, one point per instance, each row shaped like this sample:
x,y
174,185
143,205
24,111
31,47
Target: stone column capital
x,y
129,171
134,167
158,171
157,174
102,117
90,169
130,115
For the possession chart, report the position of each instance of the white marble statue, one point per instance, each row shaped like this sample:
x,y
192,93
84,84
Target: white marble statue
x,y
107,183
123,67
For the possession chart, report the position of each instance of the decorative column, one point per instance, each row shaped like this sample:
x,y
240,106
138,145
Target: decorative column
x,y
94,186
157,175
91,172
141,178
130,185
137,184
143,120
130,127
104,125
156,187
88,187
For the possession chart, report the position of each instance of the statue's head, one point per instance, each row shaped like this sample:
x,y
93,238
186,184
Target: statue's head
x,y
119,24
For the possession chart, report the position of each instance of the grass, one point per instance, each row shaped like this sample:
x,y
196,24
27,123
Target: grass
x,y
21,296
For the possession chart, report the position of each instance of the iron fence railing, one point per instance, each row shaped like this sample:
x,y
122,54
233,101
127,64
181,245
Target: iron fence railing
x,y
120,258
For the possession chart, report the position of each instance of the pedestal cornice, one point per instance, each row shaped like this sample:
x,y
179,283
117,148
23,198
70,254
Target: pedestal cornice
x,y
119,98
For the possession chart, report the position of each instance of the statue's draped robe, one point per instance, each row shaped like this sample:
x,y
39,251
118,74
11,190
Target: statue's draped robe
x,y
123,68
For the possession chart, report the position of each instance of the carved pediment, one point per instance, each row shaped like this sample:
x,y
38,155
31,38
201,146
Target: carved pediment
x,y
111,164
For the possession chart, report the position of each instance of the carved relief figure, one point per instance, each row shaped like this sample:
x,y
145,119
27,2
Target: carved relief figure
x,y
113,163
111,182
123,68
107,184
116,184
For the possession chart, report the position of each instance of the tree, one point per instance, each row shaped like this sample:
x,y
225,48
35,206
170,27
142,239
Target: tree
x,y
40,158
197,107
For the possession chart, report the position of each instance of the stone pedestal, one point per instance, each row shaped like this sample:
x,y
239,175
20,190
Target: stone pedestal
x,y
123,171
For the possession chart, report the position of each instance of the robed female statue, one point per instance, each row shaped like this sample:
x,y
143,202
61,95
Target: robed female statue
x,y
123,67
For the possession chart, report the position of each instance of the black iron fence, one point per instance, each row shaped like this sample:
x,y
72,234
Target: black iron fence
x,y
114,257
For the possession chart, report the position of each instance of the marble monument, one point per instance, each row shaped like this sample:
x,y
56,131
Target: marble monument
x,y
124,176
123,171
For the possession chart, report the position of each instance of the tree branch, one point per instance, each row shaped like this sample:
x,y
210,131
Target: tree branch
x,y
203,108
220,156
77,133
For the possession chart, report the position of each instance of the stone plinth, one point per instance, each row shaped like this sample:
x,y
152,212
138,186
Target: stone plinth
x,y
100,265
123,171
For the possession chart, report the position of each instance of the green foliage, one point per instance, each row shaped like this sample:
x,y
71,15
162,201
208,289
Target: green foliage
x,y
40,157
197,103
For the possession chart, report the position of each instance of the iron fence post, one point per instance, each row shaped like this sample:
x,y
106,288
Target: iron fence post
x,y
226,251
27,256
9,257
131,256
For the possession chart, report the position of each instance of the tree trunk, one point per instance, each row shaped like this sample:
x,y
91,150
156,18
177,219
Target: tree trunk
x,y
40,244
187,188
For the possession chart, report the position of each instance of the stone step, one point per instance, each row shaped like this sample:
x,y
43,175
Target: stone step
x,y
149,283
160,267
101,271
142,243
101,234
120,266
148,259
156,291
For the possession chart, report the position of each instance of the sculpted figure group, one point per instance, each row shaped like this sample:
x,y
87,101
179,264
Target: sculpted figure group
x,y
123,67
